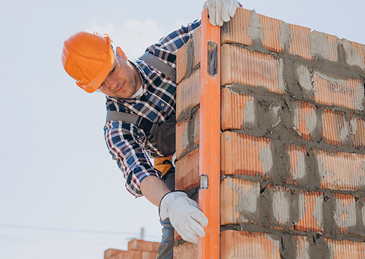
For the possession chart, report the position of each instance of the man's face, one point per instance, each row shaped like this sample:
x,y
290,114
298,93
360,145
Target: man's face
x,y
122,79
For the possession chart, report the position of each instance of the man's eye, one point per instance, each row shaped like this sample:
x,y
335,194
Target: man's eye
x,y
112,71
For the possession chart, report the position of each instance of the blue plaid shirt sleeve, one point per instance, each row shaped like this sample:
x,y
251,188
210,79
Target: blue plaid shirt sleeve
x,y
123,144
127,144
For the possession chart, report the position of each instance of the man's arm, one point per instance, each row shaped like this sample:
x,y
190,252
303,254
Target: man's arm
x,y
153,189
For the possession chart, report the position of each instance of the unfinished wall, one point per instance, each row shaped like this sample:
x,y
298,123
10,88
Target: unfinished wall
x,y
137,249
292,141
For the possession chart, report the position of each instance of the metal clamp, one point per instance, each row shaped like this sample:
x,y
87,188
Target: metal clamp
x,y
204,181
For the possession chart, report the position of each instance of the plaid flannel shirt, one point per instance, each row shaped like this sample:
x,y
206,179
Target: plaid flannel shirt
x,y
129,145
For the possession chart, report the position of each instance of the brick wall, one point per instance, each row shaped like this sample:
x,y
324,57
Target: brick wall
x,y
292,140
137,249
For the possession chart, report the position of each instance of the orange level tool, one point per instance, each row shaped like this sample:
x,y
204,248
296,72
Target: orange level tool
x,y
209,145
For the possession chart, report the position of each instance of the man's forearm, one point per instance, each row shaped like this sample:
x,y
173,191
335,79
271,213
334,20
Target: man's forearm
x,y
153,189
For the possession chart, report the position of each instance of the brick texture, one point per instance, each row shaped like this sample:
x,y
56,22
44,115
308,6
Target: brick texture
x,y
137,249
340,171
358,131
346,249
187,171
188,57
345,211
186,250
305,119
239,244
255,69
238,110
298,164
346,93
246,155
292,181
188,93
336,129
239,201
310,212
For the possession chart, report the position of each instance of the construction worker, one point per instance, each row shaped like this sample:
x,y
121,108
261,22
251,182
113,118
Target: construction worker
x,y
140,100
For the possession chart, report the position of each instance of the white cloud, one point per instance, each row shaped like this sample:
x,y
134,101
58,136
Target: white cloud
x,y
133,36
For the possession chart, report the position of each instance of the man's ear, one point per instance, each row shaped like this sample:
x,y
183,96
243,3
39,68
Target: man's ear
x,y
121,52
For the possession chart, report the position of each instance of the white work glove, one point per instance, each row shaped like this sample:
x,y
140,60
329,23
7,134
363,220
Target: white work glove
x,y
184,215
220,10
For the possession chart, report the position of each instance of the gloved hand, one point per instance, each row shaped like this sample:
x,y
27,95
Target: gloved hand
x,y
220,10
184,215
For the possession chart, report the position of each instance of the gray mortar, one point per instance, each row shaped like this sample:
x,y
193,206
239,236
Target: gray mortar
x,y
256,33
267,215
320,46
318,248
190,53
359,228
192,130
288,247
352,56
249,208
285,37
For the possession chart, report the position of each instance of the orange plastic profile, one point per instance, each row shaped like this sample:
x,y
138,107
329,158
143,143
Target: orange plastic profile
x,y
209,144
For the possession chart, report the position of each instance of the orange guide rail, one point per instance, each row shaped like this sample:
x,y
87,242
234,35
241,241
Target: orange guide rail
x,y
209,145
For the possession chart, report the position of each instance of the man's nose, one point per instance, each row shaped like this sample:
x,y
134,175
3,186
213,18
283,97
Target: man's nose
x,y
112,83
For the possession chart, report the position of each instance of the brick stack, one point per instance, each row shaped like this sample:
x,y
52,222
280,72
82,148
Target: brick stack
x,y
137,249
292,141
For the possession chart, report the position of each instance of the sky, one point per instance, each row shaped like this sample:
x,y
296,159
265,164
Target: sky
x,y
61,194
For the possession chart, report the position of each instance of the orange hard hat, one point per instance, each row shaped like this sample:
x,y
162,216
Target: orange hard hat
x,y
88,58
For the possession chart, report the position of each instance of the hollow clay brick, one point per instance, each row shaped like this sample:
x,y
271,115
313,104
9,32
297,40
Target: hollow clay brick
x,y
239,201
305,119
298,166
237,110
196,131
302,246
235,31
187,171
340,170
143,245
188,56
354,53
300,44
137,254
358,131
247,27
281,200
111,253
188,93
344,214
336,129
346,249
182,137
271,30
187,134
239,65
310,206
324,46
186,251
346,93
240,244
245,154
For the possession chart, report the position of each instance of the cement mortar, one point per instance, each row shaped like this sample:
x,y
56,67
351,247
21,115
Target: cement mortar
x,y
190,53
285,37
248,204
275,121
256,33
320,46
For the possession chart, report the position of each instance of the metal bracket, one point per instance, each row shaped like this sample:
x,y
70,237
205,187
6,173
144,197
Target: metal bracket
x,y
204,181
